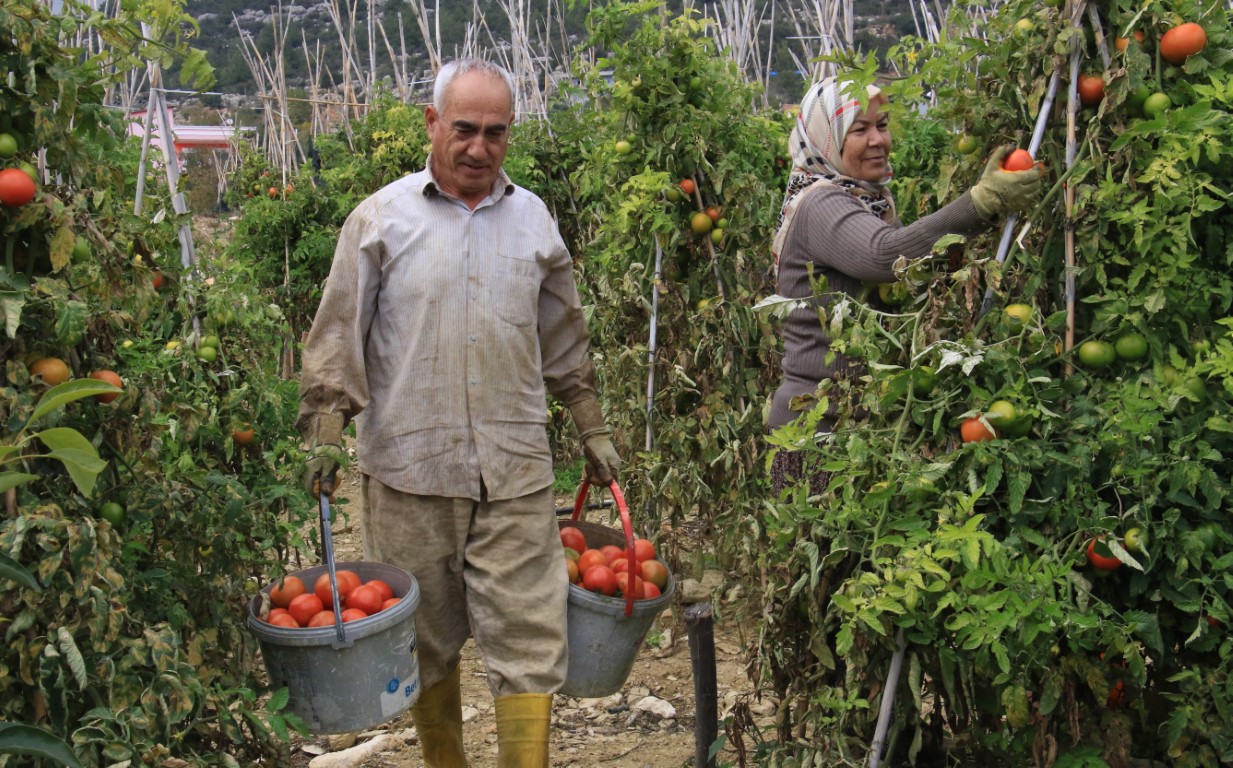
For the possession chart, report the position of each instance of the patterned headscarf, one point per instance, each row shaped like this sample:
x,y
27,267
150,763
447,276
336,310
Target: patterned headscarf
x,y
816,144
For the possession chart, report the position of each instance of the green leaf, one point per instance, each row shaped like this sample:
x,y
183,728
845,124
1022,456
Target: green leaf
x,y
76,453
67,393
11,569
18,739
13,479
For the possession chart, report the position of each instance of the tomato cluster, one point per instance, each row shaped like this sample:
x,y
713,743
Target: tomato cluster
x,y
295,606
612,571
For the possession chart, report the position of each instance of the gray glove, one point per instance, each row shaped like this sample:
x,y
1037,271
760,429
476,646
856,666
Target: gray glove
x,y
322,433
602,462
1000,191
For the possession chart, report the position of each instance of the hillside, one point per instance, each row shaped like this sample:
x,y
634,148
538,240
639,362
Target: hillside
x,y
880,22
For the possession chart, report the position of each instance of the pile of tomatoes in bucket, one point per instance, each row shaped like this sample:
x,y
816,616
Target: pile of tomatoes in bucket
x,y
295,606
611,570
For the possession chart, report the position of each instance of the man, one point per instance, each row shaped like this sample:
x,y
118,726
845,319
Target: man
x,y
449,306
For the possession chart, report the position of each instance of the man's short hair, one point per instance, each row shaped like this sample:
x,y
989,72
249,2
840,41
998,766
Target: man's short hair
x,y
462,66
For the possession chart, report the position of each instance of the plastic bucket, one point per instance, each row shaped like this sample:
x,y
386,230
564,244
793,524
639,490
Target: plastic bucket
x,y
355,684
605,633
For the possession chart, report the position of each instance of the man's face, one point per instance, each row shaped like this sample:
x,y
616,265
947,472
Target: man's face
x,y
470,135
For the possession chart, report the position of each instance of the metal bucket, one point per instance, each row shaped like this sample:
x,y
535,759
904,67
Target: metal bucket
x,y
363,680
605,633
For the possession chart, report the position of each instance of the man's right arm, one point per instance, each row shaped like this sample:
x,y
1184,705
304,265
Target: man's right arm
x,y
333,382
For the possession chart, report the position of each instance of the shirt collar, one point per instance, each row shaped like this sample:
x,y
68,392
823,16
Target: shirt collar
x,y
433,189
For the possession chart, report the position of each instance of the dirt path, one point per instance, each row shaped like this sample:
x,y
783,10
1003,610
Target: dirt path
x,y
586,733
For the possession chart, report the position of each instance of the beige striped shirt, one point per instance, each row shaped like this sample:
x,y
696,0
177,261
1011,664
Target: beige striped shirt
x,y
440,330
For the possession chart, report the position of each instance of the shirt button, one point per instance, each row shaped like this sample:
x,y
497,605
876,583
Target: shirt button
x,y
473,339
474,380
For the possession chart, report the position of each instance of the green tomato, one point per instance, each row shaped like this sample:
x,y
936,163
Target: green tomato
x,y
207,354
965,144
8,145
1195,387
1001,413
210,341
1131,346
923,379
1018,315
112,512
1135,540
81,249
623,147
1155,104
1096,354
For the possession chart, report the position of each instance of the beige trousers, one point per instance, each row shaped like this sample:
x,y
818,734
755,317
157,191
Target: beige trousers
x,y
491,569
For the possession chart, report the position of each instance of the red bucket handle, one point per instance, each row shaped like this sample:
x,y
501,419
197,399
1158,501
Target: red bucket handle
x,y
623,508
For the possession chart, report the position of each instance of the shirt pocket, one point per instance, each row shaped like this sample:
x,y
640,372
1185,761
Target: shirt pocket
x,y
517,299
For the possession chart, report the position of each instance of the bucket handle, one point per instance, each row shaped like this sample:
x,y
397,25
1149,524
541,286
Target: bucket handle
x,y
626,524
327,545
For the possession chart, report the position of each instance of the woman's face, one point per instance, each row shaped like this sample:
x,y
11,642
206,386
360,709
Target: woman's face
x,y
866,148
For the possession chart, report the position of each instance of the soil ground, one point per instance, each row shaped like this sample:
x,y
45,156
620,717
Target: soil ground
x,y
585,733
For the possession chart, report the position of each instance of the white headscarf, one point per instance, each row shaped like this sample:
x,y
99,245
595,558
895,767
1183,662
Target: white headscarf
x,y
816,144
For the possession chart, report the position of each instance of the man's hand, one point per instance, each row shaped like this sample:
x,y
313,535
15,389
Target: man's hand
x,y
322,434
602,462
1000,191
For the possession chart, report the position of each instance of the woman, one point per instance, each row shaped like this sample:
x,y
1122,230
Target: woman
x,y
839,221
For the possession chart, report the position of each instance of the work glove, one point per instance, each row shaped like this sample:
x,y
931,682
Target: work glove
x,y
1000,191
322,433
602,462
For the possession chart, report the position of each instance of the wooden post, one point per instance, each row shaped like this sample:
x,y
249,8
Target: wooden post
x,y
700,624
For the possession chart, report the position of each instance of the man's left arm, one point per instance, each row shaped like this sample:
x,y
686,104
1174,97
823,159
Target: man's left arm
x,y
568,372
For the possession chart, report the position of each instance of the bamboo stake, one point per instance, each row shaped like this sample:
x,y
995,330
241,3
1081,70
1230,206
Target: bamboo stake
x,y
1071,130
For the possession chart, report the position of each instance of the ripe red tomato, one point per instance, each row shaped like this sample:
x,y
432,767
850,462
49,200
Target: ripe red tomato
x,y
1019,160
574,539
347,581
643,550
243,434
16,188
611,552
974,430
622,565
713,212
321,619
303,607
276,611
650,591
157,280
1091,90
655,572
283,619
571,571
687,186
590,559
1100,557
282,593
385,589
393,601
112,378
601,579
624,586
1182,41
53,370
365,598
1121,43
353,614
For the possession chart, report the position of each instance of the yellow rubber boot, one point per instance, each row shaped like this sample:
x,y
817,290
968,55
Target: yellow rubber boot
x,y
523,721
438,723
